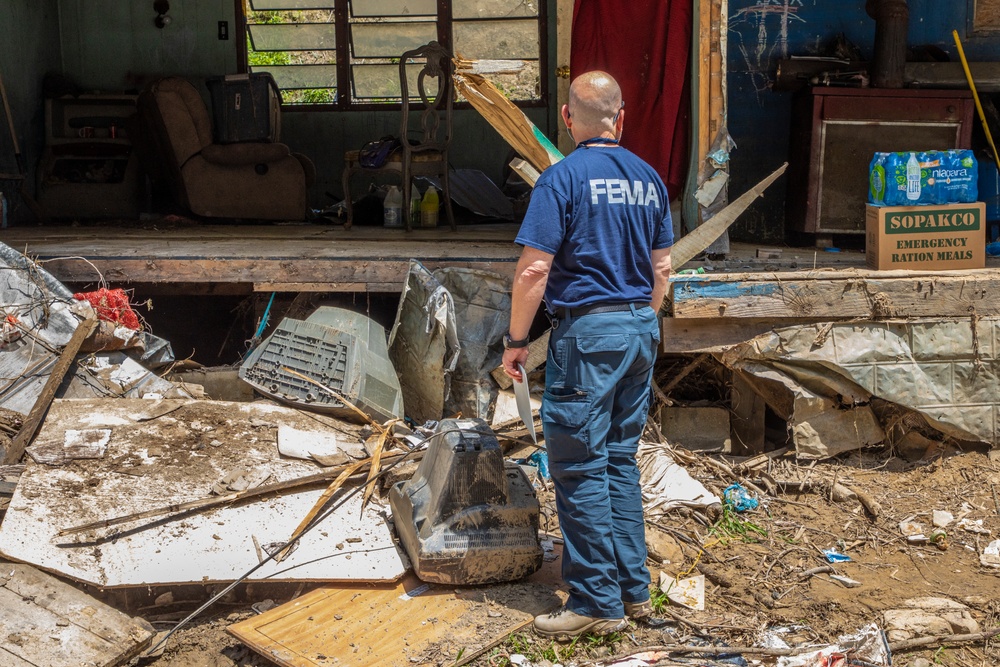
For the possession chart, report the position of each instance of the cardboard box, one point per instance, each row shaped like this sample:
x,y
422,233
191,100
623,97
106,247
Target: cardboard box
x,y
936,238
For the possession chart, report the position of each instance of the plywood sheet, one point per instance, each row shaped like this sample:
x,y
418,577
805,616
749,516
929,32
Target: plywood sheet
x,y
408,624
157,457
47,622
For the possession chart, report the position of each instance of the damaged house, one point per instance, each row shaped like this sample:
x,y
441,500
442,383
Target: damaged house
x,y
256,261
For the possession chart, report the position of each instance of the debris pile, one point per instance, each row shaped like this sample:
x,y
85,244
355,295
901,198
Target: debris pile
x,y
794,516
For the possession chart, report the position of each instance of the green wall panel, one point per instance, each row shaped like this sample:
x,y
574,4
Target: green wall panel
x,y
112,45
29,47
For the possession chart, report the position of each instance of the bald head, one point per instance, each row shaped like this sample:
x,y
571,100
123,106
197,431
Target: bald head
x,y
594,99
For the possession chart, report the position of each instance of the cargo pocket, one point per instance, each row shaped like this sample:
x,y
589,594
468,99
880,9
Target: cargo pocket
x,y
602,344
565,415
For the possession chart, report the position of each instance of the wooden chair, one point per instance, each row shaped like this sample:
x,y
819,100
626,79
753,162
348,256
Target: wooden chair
x,y
428,154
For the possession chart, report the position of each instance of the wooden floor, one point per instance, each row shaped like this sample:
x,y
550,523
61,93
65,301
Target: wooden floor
x,y
178,256
242,258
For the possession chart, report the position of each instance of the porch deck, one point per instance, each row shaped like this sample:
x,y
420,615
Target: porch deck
x,y
239,259
737,298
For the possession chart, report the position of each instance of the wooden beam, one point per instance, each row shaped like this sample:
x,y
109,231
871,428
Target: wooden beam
x,y
34,419
717,88
387,274
746,421
326,287
688,336
59,626
871,298
704,75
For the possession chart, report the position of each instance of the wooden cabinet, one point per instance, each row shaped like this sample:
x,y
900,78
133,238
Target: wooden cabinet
x,y
88,167
835,133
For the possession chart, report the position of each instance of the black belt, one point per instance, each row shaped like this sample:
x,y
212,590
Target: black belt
x,y
563,313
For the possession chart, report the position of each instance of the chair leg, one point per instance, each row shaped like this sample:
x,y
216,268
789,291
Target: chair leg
x,y
406,194
346,183
447,199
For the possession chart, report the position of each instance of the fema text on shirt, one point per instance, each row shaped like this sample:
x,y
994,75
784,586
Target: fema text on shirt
x,y
620,191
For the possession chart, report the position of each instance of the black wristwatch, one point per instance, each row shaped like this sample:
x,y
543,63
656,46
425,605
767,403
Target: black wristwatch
x,y
511,344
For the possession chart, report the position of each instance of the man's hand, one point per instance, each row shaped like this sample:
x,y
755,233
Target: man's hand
x,y
511,359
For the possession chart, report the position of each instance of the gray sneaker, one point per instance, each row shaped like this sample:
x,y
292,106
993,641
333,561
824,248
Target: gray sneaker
x,y
564,624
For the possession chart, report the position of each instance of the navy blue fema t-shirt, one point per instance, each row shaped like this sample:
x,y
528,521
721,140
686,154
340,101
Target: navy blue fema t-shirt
x,y
600,212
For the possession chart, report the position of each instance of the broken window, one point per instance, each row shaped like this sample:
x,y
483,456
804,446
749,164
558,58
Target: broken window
x,y
340,54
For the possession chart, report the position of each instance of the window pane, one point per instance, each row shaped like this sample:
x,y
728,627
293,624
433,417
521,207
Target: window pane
x,y
522,86
485,9
393,8
389,40
381,82
278,5
293,37
500,40
296,77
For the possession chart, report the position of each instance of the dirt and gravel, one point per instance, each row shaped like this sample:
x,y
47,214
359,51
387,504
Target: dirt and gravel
x,y
754,564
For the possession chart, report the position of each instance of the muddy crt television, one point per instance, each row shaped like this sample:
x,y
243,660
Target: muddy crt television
x,y
467,516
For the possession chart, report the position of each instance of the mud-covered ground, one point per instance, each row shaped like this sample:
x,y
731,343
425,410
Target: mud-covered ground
x,y
753,563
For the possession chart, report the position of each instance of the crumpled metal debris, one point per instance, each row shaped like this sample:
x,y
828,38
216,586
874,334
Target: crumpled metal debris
x,y
423,344
825,378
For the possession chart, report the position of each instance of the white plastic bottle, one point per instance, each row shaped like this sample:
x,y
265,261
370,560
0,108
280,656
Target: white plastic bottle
x,y
392,208
913,178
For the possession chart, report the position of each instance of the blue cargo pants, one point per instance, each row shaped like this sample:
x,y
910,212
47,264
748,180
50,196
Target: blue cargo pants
x,y
594,409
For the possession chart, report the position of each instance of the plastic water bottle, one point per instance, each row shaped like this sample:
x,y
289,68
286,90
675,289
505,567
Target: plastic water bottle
x,y
414,205
913,178
429,208
392,208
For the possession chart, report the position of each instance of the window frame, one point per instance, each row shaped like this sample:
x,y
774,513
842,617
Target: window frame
x,y
345,100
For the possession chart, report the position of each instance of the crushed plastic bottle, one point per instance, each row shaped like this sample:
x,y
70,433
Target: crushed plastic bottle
x,y
739,498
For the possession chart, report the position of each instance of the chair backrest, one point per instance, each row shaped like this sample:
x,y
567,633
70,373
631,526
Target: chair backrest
x,y
435,118
173,126
184,116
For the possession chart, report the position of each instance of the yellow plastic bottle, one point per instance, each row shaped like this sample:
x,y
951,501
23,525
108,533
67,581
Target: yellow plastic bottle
x,y
429,208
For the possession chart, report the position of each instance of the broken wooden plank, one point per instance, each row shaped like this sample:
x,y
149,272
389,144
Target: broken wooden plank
x,y
685,248
537,351
398,626
525,171
507,119
56,375
47,622
836,297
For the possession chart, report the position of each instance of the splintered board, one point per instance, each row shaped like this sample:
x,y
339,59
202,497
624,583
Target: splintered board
x,y
47,622
164,453
411,623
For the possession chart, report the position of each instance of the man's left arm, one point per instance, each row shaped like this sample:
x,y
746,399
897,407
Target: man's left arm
x,y
531,276
661,276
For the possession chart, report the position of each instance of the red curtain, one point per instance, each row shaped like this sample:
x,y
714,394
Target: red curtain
x,y
646,46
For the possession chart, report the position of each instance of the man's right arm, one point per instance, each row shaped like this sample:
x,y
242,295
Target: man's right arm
x,y
661,275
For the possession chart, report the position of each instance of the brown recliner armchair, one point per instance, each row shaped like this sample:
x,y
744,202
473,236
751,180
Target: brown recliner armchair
x,y
263,181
